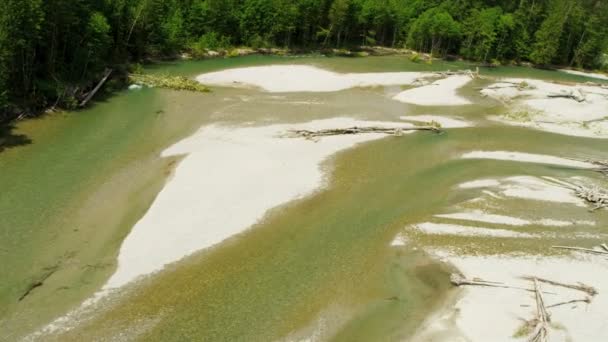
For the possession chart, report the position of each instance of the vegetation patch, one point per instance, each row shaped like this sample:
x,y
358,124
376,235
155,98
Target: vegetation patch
x,y
168,82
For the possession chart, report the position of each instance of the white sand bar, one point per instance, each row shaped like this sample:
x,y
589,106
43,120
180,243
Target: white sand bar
x,y
439,93
527,158
303,78
533,104
481,216
453,229
529,188
227,181
496,314
586,74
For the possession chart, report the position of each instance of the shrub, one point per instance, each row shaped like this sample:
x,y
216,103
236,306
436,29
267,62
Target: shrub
x,y
210,41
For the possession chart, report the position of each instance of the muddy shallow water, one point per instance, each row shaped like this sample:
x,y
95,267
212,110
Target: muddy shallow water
x,y
321,266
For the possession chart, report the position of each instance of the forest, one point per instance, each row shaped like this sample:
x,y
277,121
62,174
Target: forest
x,y
53,49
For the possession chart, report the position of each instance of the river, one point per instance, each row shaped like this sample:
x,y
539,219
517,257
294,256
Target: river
x,y
323,265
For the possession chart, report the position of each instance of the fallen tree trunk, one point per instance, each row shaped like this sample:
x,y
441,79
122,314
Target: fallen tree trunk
x,y
580,97
303,133
543,318
580,286
96,89
458,280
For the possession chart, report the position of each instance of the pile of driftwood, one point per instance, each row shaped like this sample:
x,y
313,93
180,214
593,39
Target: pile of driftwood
x,y
595,196
398,131
468,72
539,325
602,165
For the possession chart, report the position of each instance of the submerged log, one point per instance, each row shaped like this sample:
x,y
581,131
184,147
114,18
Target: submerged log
x,y
39,282
308,134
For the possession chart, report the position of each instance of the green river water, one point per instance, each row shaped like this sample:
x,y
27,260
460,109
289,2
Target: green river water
x,y
70,197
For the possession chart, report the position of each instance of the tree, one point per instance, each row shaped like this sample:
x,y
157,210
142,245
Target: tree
x,y
548,36
433,31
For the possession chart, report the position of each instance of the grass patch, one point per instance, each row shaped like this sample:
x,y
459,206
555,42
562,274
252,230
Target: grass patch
x,y
168,82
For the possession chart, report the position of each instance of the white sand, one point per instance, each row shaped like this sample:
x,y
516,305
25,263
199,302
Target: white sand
x,y
559,115
228,180
481,183
444,121
481,216
533,188
440,93
453,229
529,188
494,314
399,241
586,74
527,158
303,78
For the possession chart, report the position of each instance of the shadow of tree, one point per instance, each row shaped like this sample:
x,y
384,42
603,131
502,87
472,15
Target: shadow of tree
x,y
9,139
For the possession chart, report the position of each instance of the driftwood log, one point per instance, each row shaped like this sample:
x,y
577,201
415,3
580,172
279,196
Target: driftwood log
x,y
312,135
92,93
577,96
543,319
580,286
584,300
458,280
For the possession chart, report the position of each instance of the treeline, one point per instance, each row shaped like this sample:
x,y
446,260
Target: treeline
x,y
51,50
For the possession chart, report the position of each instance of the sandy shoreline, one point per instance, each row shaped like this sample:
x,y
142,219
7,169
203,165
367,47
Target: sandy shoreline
x,y
439,93
479,313
303,78
495,314
586,74
577,110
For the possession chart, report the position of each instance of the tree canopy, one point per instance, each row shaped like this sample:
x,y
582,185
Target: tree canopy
x,y
54,47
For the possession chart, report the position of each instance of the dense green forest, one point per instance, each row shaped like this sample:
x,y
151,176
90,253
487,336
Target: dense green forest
x,y
51,49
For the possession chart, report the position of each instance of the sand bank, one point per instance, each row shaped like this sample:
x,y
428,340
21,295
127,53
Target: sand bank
x,y
439,93
453,229
496,314
533,104
303,78
481,216
196,209
528,188
586,74
527,158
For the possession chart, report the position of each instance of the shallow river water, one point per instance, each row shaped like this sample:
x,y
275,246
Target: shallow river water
x,y
323,266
